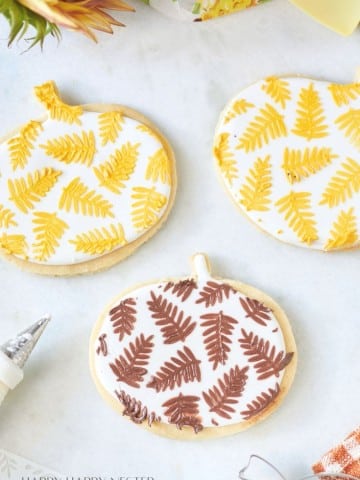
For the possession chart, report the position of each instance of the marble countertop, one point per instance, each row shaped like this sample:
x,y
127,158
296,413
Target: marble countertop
x,y
181,75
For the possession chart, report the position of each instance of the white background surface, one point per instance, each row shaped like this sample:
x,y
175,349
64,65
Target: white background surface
x,y
181,75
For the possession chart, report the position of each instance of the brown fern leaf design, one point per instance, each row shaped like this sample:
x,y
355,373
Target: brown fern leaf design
x,y
214,293
102,345
182,289
174,326
217,336
267,361
221,398
130,367
255,310
123,317
261,402
183,410
183,368
135,410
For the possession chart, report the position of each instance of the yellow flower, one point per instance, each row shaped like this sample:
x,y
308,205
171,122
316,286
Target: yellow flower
x,y
79,15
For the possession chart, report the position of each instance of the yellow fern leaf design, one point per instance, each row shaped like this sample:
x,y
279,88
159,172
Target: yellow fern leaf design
x,y
297,211
299,164
110,125
21,145
350,123
77,197
278,89
310,115
343,94
48,95
19,151
146,206
25,191
239,107
343,184
158,167
31,130
225,158
121,165
14,245
100,240
72,148
255,192
344,233
48,230
6,217
269,124
145,129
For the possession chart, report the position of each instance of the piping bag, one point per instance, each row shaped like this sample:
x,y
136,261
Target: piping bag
x,y
14,354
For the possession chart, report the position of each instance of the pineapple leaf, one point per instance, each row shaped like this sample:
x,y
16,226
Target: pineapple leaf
x,y
20,18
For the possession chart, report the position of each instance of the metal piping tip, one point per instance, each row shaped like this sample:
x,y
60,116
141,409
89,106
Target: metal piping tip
x,y
19,348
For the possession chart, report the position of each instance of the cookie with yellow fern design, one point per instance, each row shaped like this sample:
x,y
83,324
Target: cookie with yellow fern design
x,y
193,357
288,152
83,187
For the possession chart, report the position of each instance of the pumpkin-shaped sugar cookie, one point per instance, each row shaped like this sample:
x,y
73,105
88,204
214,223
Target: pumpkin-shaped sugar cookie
x,y
288,152
193,357
83,187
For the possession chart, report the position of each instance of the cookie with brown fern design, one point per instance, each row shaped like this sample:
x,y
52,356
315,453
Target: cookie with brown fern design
x,y
193,357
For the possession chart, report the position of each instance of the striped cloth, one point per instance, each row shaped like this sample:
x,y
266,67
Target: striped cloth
x,y
344,458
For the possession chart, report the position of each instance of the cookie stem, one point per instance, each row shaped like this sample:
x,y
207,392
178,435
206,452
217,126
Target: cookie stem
x,y
201,266
47,93
49,96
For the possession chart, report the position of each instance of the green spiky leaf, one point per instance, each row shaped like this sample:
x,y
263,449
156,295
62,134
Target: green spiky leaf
x,y
20,18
